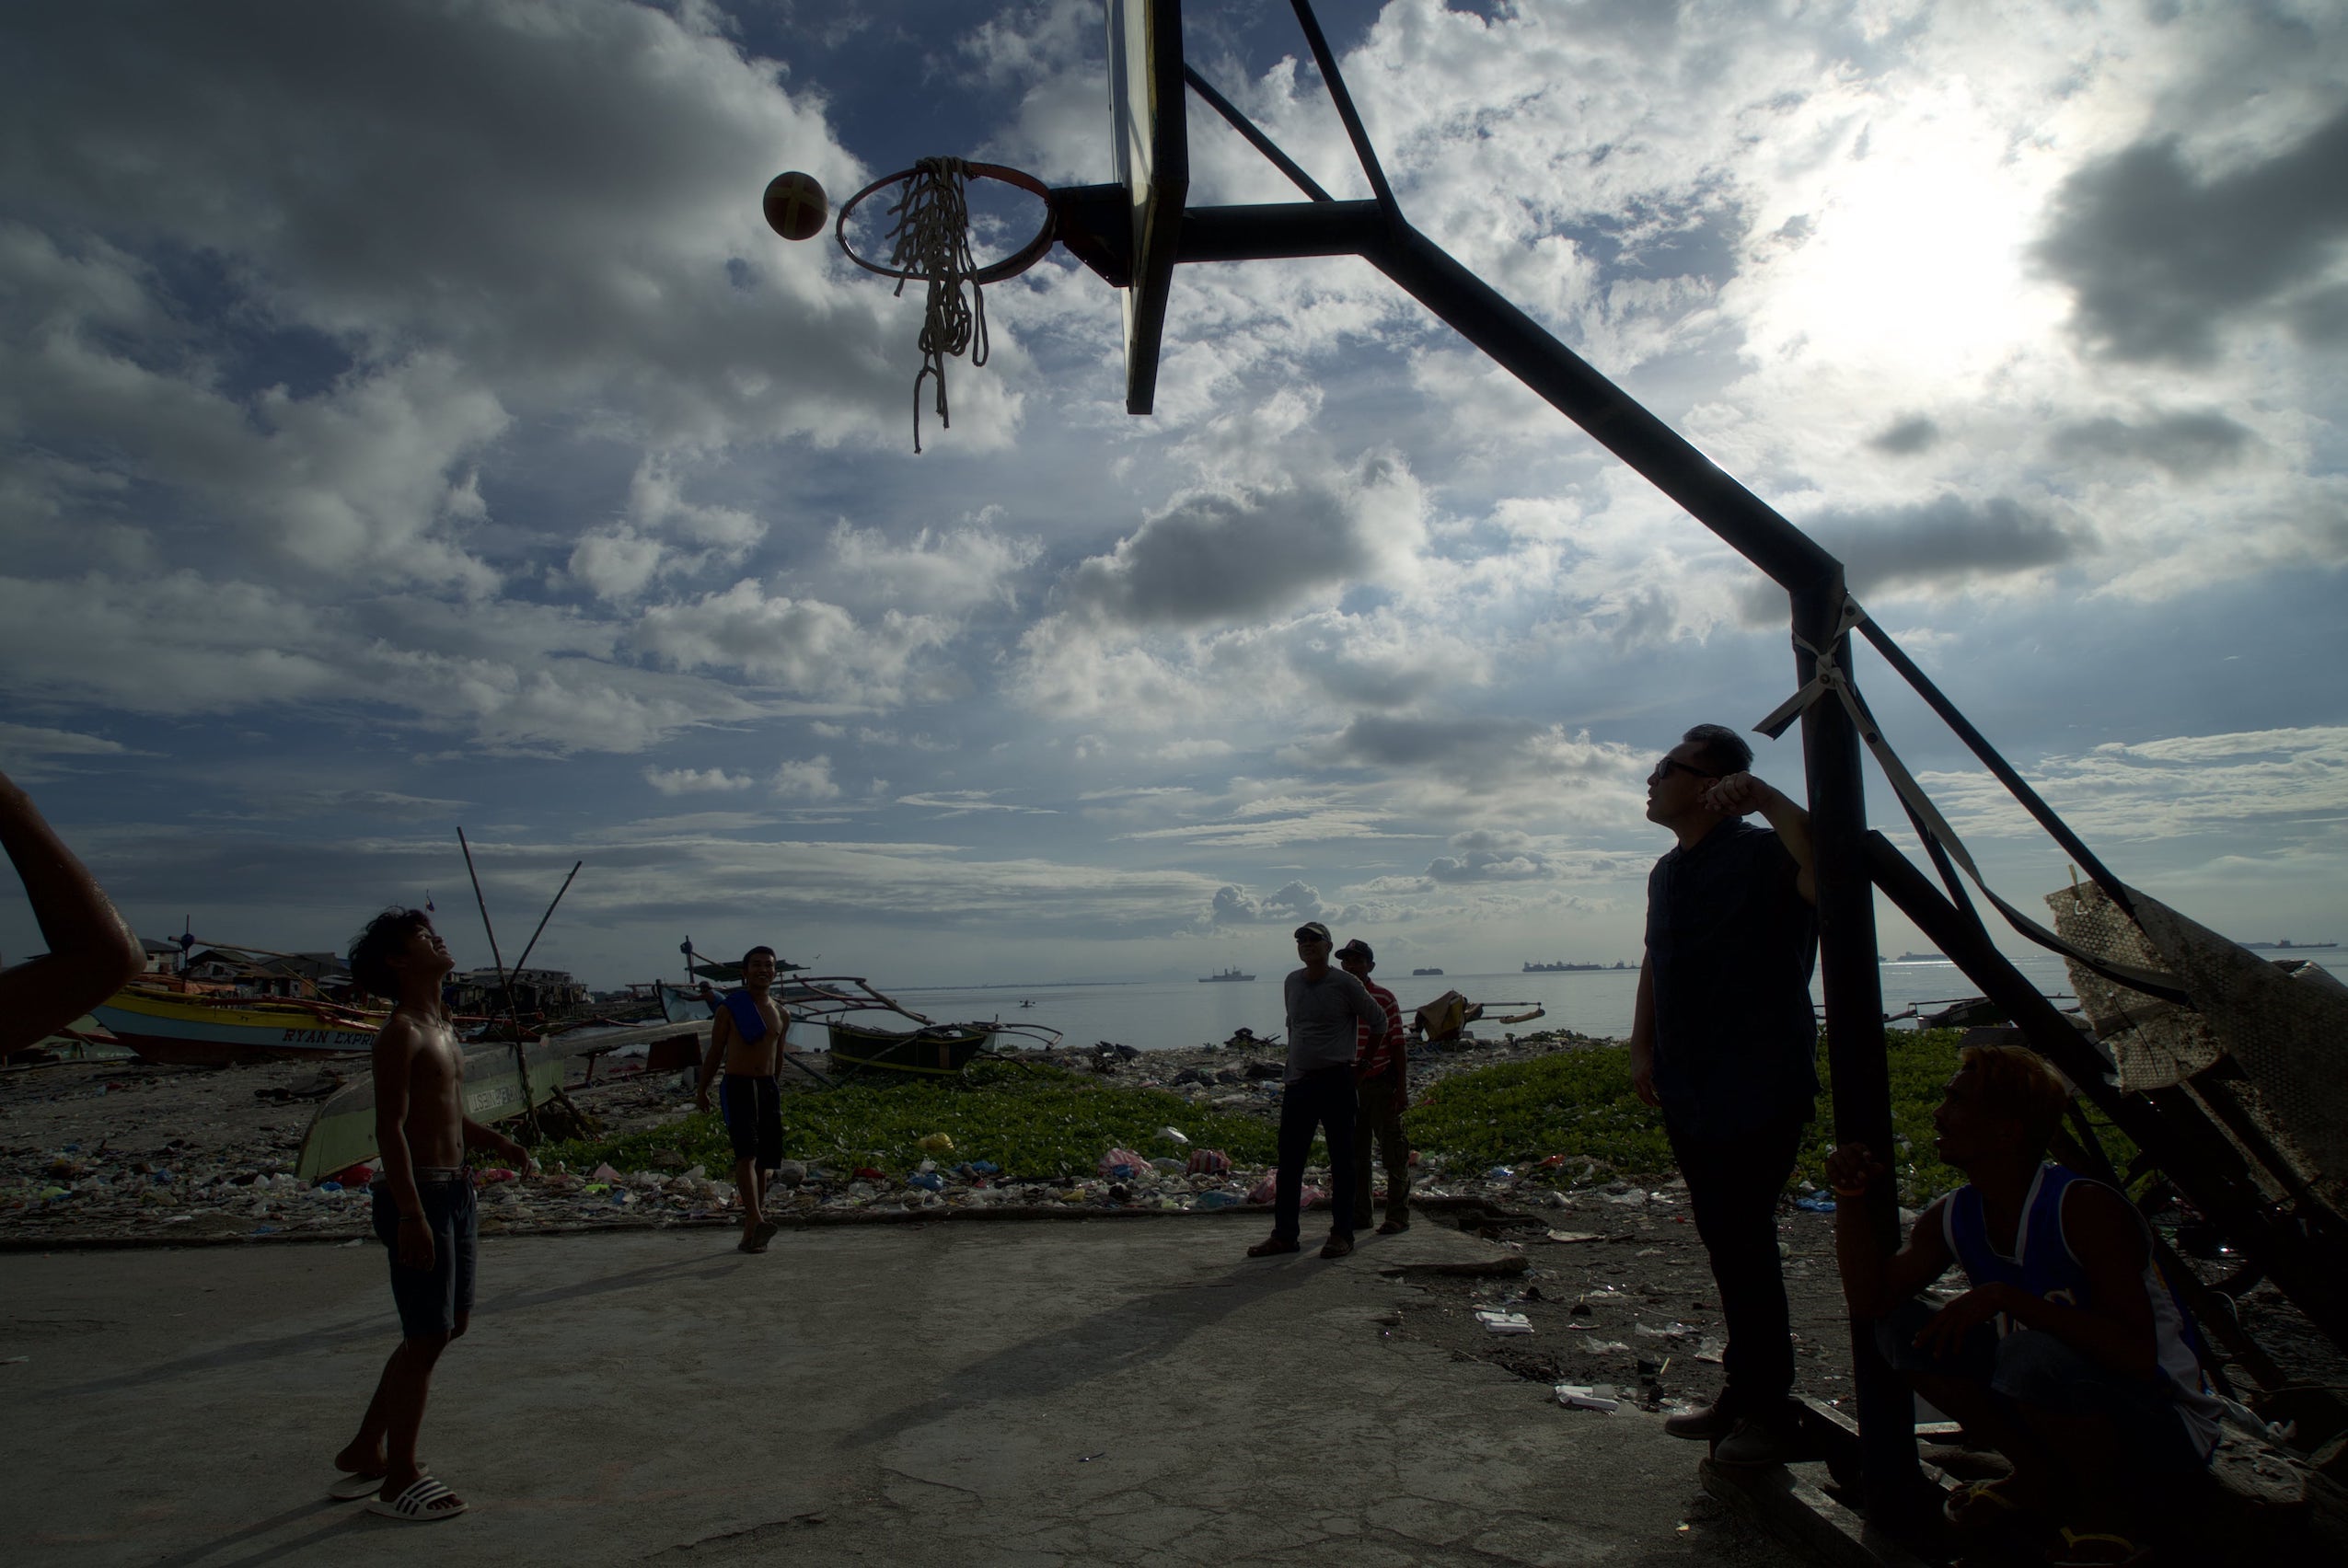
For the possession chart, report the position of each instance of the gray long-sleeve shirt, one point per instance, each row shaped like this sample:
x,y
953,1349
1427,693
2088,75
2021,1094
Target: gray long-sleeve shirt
x,y
1321,1014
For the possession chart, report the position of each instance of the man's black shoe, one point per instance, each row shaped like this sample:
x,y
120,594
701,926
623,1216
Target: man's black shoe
x,y
1700,1424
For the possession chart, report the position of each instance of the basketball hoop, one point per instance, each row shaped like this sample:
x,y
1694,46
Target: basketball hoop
x,y
931,241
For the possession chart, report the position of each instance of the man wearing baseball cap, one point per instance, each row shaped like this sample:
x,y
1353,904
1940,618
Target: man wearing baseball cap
x,y
1325,1006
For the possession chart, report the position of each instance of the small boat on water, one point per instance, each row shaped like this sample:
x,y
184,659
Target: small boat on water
x,y
192,1029
1418,972
1232,973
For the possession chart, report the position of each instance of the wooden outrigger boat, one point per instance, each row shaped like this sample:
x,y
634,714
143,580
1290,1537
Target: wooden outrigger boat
x,y
937,1050
849,1010
192,1029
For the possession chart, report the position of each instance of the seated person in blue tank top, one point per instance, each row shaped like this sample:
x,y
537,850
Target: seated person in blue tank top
x,y
2068,1353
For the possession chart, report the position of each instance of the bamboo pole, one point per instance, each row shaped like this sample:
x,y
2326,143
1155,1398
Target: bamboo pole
x,y
521,1053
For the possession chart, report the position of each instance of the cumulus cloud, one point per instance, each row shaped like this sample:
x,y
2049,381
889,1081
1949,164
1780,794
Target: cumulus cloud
x,y
1905,438
1292,904
2181,443
936,568
804,778
2161,255
805,645
695,780
1485,856
1220,557
1945,542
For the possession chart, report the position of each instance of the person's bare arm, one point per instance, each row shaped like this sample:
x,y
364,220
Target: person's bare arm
x,y
91,952
1741,792
1643,1036
1872,1284
478,1137
394,1063
2117,1331
720,1036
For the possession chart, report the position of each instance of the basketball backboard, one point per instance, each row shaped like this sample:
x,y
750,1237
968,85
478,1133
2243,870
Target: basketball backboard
x,y
1153,147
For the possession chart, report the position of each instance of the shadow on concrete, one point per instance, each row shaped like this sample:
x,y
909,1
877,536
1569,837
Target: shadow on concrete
x,y
376,1328
1130,1334
342,1524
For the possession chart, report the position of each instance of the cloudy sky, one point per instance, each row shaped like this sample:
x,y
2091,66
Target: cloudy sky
x,y
410,423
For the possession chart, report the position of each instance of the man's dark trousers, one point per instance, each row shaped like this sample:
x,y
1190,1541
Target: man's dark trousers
x,y
1733,1185
1323,1099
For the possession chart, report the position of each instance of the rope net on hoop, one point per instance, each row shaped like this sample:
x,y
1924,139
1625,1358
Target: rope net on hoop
x,y
932,239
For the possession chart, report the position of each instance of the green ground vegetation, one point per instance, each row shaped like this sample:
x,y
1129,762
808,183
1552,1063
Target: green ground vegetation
x,y
1032,1122
1580,1104
1041,1123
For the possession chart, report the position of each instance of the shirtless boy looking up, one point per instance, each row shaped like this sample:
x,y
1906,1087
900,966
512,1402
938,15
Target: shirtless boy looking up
x,y
423,1207
747,1037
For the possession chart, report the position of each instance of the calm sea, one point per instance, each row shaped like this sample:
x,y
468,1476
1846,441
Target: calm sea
x,y
1160,1015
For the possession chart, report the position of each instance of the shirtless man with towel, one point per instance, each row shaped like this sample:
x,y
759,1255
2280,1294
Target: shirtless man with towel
x,y
746,1038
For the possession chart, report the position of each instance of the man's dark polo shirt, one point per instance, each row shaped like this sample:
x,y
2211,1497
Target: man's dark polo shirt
x,y
1730,944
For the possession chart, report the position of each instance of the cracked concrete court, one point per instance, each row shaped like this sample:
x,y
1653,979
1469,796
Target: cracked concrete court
x,y
1075,1393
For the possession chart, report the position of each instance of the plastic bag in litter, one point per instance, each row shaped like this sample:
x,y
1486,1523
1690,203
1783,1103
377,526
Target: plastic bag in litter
x,y
1171,1167
1815,1205
1123,1162
1711,1350
1669,1331
1217,1199
1499,1322
936,1143
1606,1347
1173,1135
1209,1161
1577,1396
1263,1191
928,1181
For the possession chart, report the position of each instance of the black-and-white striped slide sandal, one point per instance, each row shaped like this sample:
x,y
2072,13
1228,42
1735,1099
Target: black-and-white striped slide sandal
x,y
423,1502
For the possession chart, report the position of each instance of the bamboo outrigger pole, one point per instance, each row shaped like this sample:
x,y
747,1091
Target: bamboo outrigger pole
x,y
521,1050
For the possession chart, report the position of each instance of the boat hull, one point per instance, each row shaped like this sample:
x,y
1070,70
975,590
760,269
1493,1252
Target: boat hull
x,y
343,1133
935,1052
180,1031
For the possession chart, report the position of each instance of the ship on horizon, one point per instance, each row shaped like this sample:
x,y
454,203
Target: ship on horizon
x,y
2287,945
1228,975
1563,968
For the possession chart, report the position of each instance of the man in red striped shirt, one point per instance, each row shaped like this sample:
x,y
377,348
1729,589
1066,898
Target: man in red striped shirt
x,y
1379,1069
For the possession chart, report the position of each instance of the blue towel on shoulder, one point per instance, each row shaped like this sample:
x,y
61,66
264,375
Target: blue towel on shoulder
x,y
744,1013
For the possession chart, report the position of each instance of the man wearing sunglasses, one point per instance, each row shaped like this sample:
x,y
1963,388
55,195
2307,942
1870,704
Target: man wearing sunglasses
x,y
1725,1041
1325,1006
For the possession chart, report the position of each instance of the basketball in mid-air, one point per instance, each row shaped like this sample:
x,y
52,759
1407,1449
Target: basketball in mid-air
x,y
795,206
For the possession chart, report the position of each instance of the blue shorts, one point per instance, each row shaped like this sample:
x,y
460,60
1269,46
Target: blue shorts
x,y
2032,1368
751,1105
430,1300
